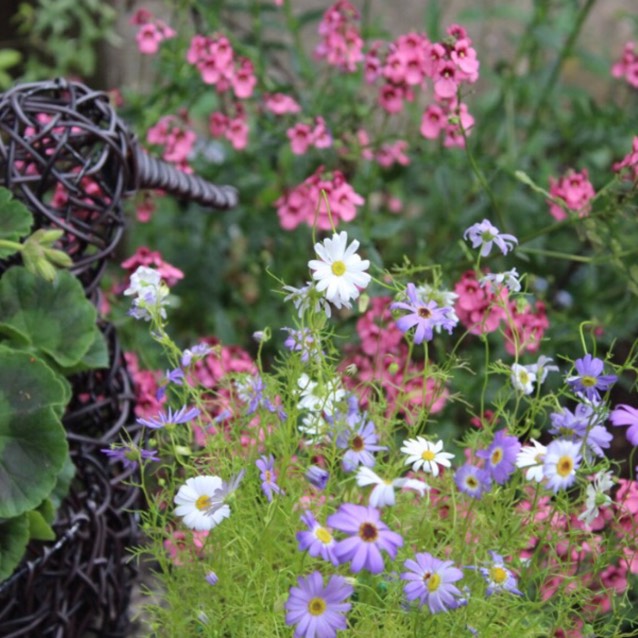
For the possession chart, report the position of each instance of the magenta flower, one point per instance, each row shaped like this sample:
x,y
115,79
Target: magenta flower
x,y
424,316
472,480
369,535
590,381
626,415
266,465
430,580
317,540
500,456
318,610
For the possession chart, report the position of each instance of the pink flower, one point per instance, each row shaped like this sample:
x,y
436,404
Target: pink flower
x,y
243,80
217,124
301,138
391,98
445,81
525,328
433,122
151,33
630,161
341,44
320,134
478,308
627,66
145,208
143,256
575,190
237,132
393,153
280,104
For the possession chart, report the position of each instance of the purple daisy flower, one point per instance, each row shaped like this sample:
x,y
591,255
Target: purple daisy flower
x,y
250,390
212,578
425,316
369,535
472,480
302,341
484,234
317,540
318,610
626,415
163,419
498,577
583,425
590,381
130,455
266,465
360,438
317,476
500,457
430,580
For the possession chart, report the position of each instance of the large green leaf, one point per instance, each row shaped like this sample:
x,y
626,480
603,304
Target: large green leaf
x,y
15,221
14,536
54,318
33,446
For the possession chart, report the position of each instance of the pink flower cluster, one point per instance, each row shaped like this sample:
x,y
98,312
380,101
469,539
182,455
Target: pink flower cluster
x,y
575,190
178,140
482,311
382,361
235,129
143,256
306,203
151,33
577,546
630,162
280,104
627,66
387,155
302,136
146,384
341,44
218,65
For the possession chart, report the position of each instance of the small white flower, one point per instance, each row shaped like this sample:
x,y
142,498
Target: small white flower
x,y
541,368
339,271
595,496
509,278
532,457
383,493
313,427
484,234
307,297
195,498
316,398
144,277
150,293
425,455
522,379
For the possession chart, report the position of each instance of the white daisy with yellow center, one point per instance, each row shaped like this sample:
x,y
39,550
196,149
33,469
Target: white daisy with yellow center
x,y
425,455
532,458
195,500
339,271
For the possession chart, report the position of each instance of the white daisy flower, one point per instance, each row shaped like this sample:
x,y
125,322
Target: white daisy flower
x,y
509,278
595,497
316,398
201,501
522,378
532,457
313,427
339,271
307,297
426,455
562,459
383,493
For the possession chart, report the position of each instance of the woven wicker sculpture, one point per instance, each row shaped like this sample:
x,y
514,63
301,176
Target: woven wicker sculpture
x,y
71,160
65,153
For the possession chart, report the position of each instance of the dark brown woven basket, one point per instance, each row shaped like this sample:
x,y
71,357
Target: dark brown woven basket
x,y
80,585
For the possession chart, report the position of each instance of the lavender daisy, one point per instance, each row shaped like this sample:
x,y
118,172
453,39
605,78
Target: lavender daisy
x,y
590,381
425,316
360,439
584,425
561,462
196,352
498,577
317,476
212,578
130,455
484,234
250,390
626,415
318,610
165,419
317,540
430,581
368,536
302,341
266,465
500,456
472,480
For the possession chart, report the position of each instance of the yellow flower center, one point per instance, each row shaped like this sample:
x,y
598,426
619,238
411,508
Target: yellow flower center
x,y
498,575
565,465
323,535
428,455
588,382
338,268
317,606
368,532
202,503
496,457
434,582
